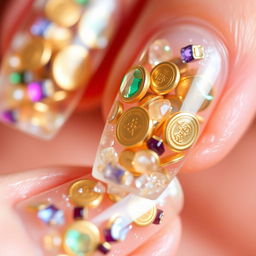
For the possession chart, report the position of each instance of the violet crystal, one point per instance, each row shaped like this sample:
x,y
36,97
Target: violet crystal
x,y
35,91
9,116
114,173
187,53
156,146
159,217
78,213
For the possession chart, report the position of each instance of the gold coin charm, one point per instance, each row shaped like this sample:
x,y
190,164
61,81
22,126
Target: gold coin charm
x,y
185,84
135,84
116,111
81,193
181,131
147,218
164,77
35,53
81,238
71,67
133,127
63,12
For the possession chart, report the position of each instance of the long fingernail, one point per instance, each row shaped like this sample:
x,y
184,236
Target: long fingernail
x,y
161,109
84,217
51,59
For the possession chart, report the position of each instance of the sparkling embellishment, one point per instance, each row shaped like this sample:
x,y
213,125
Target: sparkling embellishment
x,y
192,52
156,144
51,215
52,242
109,155
9,116
35,91
159,109
104,248
159,217
78,213
159,51
16,78
99,188
118,230
39,27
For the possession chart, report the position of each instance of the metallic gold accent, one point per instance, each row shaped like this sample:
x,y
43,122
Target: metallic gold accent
x,y
81,193
184,86
35,53
147,218
116,112
198,52
63,12
71,67
126,158
200,118
87,229
164,77
114,198
148,99
145,83
173,159
183,66
133,127
181,131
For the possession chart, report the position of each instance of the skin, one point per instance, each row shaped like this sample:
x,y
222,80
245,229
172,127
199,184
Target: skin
x,y
213,219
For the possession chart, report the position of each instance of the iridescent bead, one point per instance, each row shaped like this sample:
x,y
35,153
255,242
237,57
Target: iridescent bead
x,y
145,161
159,109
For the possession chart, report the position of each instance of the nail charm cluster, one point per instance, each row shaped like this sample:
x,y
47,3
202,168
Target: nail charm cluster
x,y
149,129
50,62
72,230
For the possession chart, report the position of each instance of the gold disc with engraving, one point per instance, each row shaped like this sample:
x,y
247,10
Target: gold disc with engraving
x,y
147,218
35,53
133,127
181,131
63,12
81,193
164,77
81,238
185,84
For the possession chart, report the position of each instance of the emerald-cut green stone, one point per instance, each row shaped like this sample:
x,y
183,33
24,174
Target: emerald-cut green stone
x,y
79,243
82,1
16,78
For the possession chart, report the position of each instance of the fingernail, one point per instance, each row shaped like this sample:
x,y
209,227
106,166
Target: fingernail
x,y
50,61
85,217
161,109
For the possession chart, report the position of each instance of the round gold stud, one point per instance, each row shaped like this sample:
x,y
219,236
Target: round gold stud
x,y
164,77
71,67
147,218
133,127
81,238
81,193
181,131
35,53
173,159
185,84
63,12
135,84
116,112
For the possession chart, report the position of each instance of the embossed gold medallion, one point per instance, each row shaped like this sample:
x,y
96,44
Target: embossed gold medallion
x,y
133,127
147,218
135,84
181,131
185,85
82,193
164,77
116,111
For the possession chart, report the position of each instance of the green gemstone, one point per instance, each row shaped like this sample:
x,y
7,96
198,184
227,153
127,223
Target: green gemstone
x,y
132,84
82,1
79,243
16,78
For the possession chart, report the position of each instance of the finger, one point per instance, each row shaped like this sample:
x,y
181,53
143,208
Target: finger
x,y
35,223
235,106
39,94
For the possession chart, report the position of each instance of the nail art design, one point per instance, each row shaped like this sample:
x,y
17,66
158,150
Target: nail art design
x,y
50,60
80,218
161,109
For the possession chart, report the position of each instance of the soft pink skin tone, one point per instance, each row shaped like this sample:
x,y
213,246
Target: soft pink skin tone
x,y
219,213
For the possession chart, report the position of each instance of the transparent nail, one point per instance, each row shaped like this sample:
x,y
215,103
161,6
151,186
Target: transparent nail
x,y
161,109
50,60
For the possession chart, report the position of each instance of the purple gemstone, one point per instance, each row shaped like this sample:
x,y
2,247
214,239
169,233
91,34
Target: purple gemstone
x,y
159,217
104,248
156,146
108,236
51,215
187,53
114,173
39,27
78,213
9,116
35,91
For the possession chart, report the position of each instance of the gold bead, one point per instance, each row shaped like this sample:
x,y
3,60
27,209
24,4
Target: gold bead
x,y
81,193
135,84
63,12
116,112
71,67
181,131
173,159
133,127
147,218
35,53
81,238
164,77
